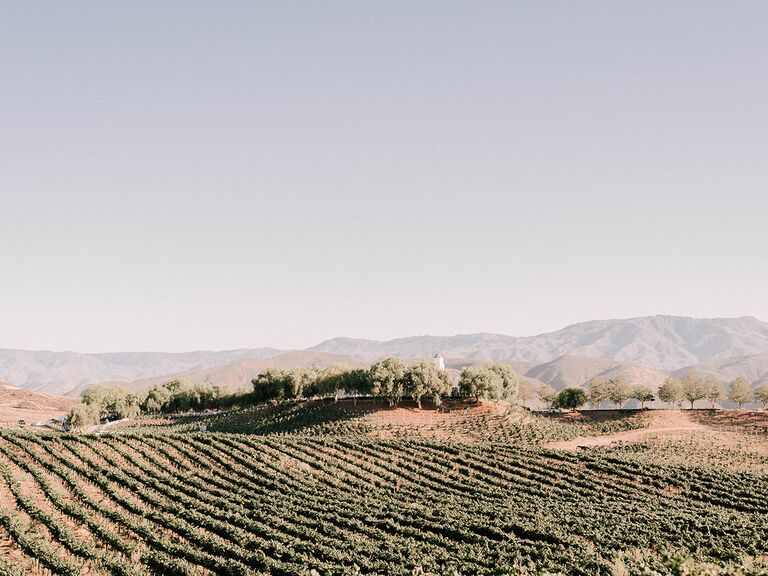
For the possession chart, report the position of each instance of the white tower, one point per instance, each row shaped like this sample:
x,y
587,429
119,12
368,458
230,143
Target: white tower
x,y
439,361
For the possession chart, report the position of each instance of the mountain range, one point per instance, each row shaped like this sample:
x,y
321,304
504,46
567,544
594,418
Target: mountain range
x,y
662,342
648,349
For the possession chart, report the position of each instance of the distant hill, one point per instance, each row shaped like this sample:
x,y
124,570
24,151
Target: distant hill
x,y
240,373
17,403
61,372
645,347
752,367
660,342
578,371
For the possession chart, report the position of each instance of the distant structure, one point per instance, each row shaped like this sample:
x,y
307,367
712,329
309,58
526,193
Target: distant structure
x,y
439,362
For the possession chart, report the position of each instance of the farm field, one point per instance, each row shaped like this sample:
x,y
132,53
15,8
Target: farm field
x,y
343,489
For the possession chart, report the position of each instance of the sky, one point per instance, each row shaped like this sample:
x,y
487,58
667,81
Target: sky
x,y
181,175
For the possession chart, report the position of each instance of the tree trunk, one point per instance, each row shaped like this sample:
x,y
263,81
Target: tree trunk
x,y
418,402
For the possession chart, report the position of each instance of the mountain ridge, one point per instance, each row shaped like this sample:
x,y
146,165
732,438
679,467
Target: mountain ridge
x,y
660,343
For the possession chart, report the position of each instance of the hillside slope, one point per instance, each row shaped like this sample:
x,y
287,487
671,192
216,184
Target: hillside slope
x,y
578,371
752,367
17,403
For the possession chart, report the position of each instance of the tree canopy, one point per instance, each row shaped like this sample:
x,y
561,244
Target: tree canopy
x,y
740,391
571,398
693,387
489,382
671,391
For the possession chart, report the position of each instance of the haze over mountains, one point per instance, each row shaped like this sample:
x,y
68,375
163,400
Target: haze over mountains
x,y
646,348
663,342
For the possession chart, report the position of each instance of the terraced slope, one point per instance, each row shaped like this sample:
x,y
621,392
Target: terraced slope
x,y
218,503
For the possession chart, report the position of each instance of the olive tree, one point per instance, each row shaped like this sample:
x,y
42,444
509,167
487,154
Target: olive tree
x,y
388,379
357,383
83,415
598,391
693,387
571,398
525,391
547,395
481,382
271,384
509,382
426,379
331,381
671,392
155,400
740,391
714,390
111,402
619,391
761,393
642,394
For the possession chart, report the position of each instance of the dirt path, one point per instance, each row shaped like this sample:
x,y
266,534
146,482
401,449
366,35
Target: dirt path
x,y
662,422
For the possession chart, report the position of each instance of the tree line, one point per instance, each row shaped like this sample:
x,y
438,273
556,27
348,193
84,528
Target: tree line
x,y
618,390
390,379
692,387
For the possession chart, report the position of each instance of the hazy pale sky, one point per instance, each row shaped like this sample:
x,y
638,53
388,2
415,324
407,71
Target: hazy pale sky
x,y
207,175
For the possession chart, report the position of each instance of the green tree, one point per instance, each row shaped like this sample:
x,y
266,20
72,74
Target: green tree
x,y
208,396
155,400
671,392
598,391
357,383
509,382
642,394
547,395
181,397
693,387
128,406
714,390
481,382
330,381
619,390
107,401
740,391
271,384
426,379
388,379
83,415
571,398
761,393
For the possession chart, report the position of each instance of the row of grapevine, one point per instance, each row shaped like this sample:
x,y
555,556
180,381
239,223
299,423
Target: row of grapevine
x,y
246,504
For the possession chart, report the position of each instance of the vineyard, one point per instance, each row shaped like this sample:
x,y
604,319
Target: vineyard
x,y
457,422
343,497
